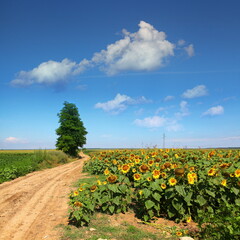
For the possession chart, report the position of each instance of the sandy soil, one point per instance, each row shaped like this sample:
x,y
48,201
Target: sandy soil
x,y
32,206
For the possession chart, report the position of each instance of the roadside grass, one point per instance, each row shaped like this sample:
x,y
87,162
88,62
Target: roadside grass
x,y
101,228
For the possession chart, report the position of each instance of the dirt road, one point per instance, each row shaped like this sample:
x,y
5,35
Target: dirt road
x,y
32,206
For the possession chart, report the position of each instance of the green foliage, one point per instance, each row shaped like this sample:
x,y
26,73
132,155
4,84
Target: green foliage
x,y
224,224
13,165
71,131
104,196
182,185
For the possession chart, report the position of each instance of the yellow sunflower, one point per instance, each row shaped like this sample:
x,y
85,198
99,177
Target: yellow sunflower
x,y
106,172
150,162
112,179
93,188
78,204
144,168
125,168
172,181
190,180
237,173
224,182
156,174
212,172
137,176
164,175
189,219
75,193
179,234
163,186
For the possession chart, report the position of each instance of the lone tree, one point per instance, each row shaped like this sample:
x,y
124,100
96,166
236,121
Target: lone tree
x,y
71,131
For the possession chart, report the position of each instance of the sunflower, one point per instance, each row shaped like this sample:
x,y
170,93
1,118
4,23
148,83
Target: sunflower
x,y
80,189
179,171
191,169
190,180
167,165
78,204
75,193
125,168
134,170
212,172
237,173
112,179
149,179
137,176
189,219
164,175
156,173
224,165
114,161
150,162
137,160
106,172
179,234
93,188
172,181
224,182
144,168
163,186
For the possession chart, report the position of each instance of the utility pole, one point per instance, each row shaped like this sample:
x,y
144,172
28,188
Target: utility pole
x,y
164,140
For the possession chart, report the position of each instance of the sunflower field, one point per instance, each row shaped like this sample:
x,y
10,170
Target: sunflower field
x,y
178,184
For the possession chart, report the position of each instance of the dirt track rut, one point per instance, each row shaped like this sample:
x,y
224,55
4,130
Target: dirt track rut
x,y
32,206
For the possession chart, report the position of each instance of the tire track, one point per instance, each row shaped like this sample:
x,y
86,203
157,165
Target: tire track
x,y
32,206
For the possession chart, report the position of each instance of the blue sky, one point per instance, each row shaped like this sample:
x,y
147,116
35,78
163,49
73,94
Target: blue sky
x,y
135,69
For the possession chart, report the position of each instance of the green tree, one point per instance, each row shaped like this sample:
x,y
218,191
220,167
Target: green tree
x,y
71,131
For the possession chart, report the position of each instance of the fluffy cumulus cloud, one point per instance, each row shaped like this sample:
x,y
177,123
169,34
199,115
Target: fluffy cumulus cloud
x,y
183,110
151,122
169,123
120,103
195,92
145,50
213,111
189,50
49,72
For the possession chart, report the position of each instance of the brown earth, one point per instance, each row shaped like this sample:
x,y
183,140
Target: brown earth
x,y
32,206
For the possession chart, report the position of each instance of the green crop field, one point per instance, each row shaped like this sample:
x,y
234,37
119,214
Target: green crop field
x,y
16,163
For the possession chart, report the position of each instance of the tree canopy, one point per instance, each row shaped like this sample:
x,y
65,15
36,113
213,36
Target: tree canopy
x,y
71,132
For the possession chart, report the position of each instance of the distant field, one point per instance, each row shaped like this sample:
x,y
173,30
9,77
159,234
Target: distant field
x,y
23,150
16,163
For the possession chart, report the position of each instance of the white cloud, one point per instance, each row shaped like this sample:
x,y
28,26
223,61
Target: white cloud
x,y
189,50
197,91
139,111
14,140
174,126
168,98
218,110
144,50
183,110
181,42
50,72
151,122
120,103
